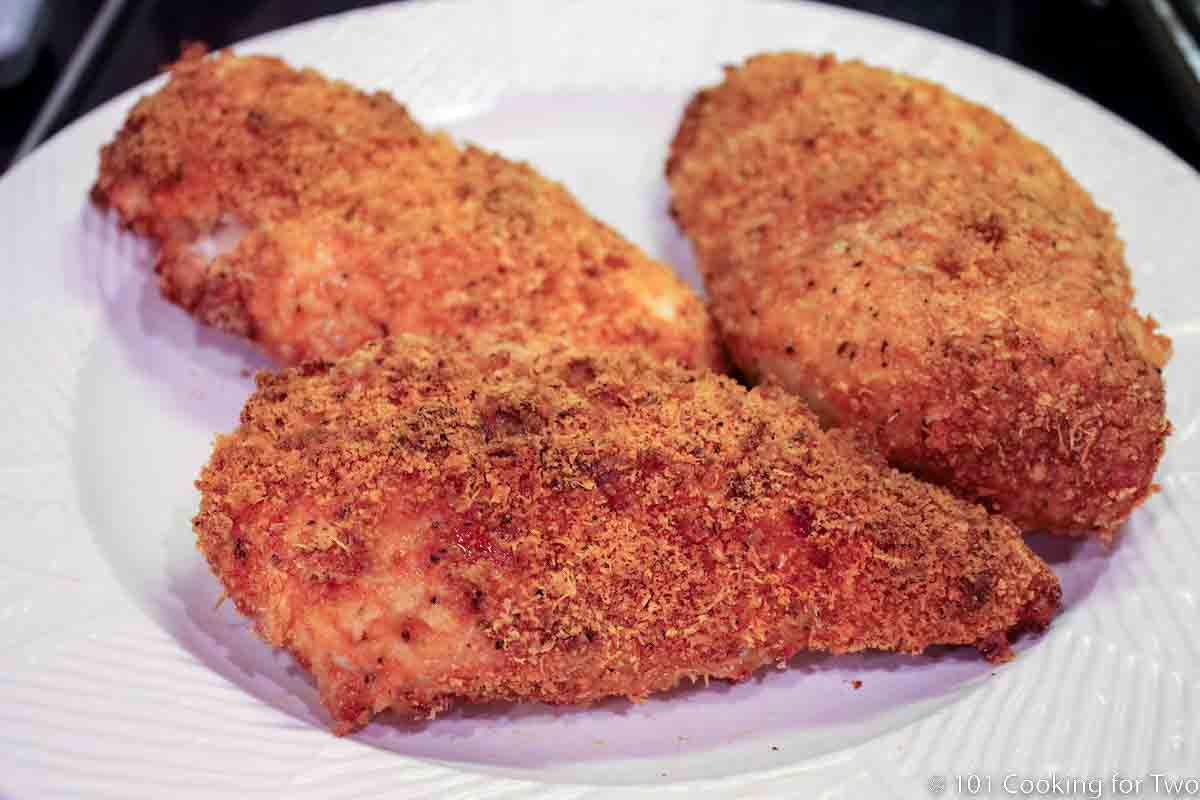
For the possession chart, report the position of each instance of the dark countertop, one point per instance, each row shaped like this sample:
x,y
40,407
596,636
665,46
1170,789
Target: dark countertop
x,y
1094,46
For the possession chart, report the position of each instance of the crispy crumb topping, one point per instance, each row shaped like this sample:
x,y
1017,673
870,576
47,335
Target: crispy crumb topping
x,y
915,267
352,222
420,522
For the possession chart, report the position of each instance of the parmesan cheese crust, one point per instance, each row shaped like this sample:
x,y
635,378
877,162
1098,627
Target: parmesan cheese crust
x,y
310,217
420,522
914,267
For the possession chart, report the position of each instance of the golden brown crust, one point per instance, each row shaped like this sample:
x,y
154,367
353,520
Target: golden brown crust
x,y
421,522
351,222
913,266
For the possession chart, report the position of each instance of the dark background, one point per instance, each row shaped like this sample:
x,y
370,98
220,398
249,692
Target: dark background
x,y
1100,48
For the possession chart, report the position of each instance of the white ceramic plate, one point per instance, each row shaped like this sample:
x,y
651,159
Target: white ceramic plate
x,y
119,678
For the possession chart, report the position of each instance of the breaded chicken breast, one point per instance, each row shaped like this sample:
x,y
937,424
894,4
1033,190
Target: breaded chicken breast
x,y
311,217
913,266
419,522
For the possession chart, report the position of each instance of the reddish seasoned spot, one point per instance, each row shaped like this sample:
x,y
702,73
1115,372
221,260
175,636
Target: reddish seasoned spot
x,y
611,485
474,541
694,530
475,597
990,230
950,265
977,589
327,590
819,557
510,421
609,397
315,367
739,488
498,360
801,519
651,463
580,372
397,395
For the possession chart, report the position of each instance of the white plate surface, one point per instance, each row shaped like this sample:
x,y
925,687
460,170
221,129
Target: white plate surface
x,y
119,678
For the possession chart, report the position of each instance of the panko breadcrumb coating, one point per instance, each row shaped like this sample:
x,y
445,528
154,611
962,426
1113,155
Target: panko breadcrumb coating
x,y
913,266
310,217
422,522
